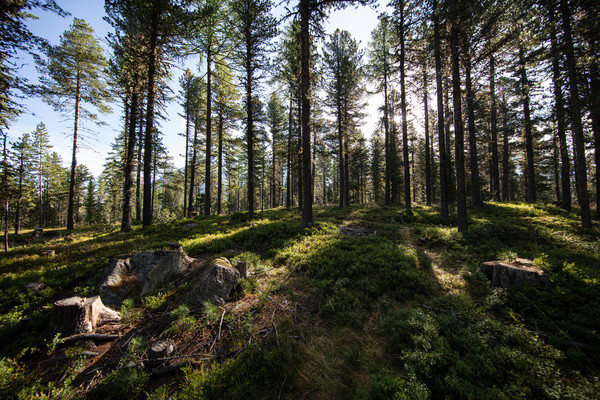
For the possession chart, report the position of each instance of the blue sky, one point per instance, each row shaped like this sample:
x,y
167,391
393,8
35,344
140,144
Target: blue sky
x,y
96,141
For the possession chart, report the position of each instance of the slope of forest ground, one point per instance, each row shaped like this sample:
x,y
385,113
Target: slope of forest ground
x,y
369,303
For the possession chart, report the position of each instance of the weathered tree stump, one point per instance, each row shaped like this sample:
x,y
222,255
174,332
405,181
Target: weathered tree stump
x,y
174,246
82,315
48,253
519,272
161,349
243,268
37,232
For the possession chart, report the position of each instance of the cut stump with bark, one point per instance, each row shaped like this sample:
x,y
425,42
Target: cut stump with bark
x,y
519,272
76,315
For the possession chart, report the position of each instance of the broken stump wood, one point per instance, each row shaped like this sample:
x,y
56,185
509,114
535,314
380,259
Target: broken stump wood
x,y
243,268
76,314
517,273
48,253
161,349
37,232
34,286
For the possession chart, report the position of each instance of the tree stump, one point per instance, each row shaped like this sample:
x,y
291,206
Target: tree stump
x,y
174,246
82,315
161,349
516,273
243,268
34,286
37,232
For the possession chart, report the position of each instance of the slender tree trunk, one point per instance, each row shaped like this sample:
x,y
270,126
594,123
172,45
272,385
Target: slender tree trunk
x,y
71,207
530,173
595,114
250,131
193,167
307,214
288,184
187,150
346,192
138,179
299,154
20,191
556,162
207,178
427,140
575,110
565,170
40,185
273,195
461,200
505,160
129,157
474,158
440,112
494,128
220,163
386,124
407,196
5,190
149,132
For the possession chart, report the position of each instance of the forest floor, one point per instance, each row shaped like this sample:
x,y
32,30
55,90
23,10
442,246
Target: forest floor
x,y
369,303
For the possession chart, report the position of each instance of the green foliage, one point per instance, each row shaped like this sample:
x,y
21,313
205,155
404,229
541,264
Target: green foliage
x,y
122,383
182,321
259,372
156,302
128,314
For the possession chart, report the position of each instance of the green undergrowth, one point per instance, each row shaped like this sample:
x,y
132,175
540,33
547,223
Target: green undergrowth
x,y
389,305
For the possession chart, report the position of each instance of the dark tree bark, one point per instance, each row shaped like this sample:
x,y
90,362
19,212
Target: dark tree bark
x,y
386,128
440,112
188,112
505,159
71,206
138,180
407,197
461,198
193,167
220,163
207,178
565,169
530,168
595,114
494,128
288,183
427,140
474,166
342,170
147,211
575,111
129,157
307,215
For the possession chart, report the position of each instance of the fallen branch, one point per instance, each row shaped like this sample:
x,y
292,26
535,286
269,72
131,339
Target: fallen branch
x,y
90,336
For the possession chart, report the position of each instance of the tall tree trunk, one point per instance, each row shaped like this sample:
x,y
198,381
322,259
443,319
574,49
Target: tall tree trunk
x,y
595,114
20,191
299,154
250,132
556,162
461,198
220,163
187,150
427,140
575,110
346,192
288,184
505,160
71,207
473,156
273,171
129,157
530,169
565,169
407,196
494,128
207,178
440,112
149,131
307,214
193,167
6,192
386,127
139,166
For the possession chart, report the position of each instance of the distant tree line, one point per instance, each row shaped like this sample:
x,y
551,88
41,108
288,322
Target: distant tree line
x,y
480,101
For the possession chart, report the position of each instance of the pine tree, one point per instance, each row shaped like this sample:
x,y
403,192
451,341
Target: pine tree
x,y
74,75
254,29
